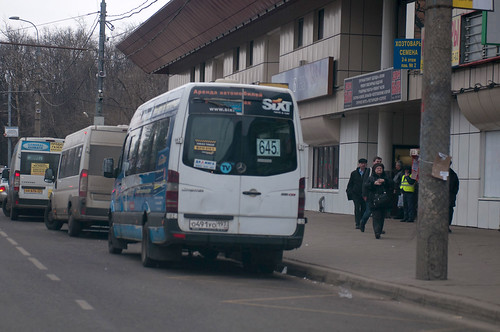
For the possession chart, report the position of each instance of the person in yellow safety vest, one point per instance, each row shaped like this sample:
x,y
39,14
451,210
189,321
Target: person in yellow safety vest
x,y
409,197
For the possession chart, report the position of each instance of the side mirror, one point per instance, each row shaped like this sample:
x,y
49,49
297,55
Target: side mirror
x,y
49,175
108,166
5,174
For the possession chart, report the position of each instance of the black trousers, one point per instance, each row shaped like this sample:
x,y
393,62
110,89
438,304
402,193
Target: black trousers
x,y
378,216
359,209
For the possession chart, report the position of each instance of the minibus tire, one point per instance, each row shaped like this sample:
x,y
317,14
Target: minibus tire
x,y
14,215
146,259
112,249
48,219
6,211
74,226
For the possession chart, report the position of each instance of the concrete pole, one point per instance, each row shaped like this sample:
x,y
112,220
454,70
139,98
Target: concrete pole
x,y
384,144
99,118
432,225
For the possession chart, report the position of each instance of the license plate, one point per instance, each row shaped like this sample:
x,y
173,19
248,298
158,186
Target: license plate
x,y
33,191
209,225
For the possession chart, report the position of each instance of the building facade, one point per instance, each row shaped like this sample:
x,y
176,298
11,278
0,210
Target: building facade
x,y
321,49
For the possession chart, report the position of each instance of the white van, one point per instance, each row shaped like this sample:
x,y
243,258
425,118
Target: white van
x,y
28,192
211,167
81,194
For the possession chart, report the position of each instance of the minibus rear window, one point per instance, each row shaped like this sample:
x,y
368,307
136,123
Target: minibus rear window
x,y
240,145
33,163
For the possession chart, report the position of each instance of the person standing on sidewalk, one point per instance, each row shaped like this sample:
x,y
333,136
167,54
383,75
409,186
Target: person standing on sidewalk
x,y
355,190
397,174
378,184
367,214
454,184
408,190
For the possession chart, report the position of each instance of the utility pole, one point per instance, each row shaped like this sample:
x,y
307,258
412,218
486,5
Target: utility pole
x,y
99,118
432,225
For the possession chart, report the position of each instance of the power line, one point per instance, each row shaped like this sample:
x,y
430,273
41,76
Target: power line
x,y
132,14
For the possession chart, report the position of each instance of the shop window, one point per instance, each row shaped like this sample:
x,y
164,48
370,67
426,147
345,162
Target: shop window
x,y
326,167
236,59
250,54
492,164
320,24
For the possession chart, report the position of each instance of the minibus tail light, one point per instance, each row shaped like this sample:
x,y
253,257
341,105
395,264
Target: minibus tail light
x,y
17,180
302,198
84,182
172,192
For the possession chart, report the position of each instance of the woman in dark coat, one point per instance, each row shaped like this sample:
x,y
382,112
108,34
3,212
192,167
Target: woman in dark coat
x,y
377,184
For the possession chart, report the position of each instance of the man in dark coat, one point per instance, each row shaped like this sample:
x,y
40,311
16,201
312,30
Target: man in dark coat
x,y
454,184
355,190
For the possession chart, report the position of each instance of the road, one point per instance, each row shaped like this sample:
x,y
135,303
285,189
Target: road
x,y
51,282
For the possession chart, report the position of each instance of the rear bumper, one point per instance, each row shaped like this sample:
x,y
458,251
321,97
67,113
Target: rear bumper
x,y
172,235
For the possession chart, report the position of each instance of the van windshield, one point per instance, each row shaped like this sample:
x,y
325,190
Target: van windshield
x,y
240,145
34,163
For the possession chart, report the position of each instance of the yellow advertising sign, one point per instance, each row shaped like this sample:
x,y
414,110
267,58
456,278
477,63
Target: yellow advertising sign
x,y
38,168
474,4
56,146
455,36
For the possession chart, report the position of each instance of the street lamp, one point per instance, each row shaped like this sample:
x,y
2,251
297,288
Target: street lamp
x,y
38,100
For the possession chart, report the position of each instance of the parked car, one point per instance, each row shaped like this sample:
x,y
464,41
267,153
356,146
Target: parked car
x,y
4,188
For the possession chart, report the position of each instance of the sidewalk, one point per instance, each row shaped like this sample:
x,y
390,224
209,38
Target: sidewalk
x,y
333,251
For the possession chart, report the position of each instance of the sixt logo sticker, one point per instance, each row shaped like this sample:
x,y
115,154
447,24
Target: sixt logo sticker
x,y
277,105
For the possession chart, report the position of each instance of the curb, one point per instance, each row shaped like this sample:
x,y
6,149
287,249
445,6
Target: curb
x,y
452,304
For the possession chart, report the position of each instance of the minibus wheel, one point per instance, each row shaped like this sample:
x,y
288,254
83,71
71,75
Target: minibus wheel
x,y
74,226
146,244
48,218
14,215
111,242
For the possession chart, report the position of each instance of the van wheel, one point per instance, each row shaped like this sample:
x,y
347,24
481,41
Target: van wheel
x,y
263,261
48,218
14,215
209,254
146,244
111,242
74,226
6,211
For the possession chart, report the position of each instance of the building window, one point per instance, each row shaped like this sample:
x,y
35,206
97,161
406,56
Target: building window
x,y
326,167
236,59
250,54
202,72
320,24
300,32
492,164
192,74
472,48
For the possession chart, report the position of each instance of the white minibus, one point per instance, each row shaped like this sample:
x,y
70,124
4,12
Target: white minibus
x,y
213,168
81,194
28,192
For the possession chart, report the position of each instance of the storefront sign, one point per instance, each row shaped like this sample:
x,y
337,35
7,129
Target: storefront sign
x,y
474,4
309,81
407,53
377,88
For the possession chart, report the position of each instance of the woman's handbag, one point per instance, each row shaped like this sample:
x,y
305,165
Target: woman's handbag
x,y
382,200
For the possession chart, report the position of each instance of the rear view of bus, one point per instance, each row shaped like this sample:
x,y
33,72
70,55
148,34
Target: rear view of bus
x,y
240,177
29,193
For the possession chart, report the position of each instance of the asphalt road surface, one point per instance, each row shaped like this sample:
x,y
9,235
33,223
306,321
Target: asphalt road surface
x,y
51,282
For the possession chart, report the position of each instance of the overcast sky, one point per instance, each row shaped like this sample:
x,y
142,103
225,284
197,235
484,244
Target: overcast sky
x,y
62,13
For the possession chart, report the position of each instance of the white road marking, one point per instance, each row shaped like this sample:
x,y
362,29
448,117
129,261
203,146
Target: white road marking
x,y
37,263
3,234
84,305
53,277
23,251
12,241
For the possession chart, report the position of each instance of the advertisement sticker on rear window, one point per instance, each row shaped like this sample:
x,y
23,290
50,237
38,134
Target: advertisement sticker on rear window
x,y
205,146
205,164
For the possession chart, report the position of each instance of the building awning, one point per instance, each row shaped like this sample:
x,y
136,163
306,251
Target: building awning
x,y
321,130
199,29
481,108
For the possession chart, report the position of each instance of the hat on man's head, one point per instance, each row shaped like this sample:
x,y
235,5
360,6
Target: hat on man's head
x,y
362,161
378,165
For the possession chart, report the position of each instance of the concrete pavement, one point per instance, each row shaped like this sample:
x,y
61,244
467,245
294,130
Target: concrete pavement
x,y
335,252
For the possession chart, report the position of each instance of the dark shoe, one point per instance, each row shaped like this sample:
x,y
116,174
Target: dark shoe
x,y
383,232
357,226
377,236
411,220
362,228
449,230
